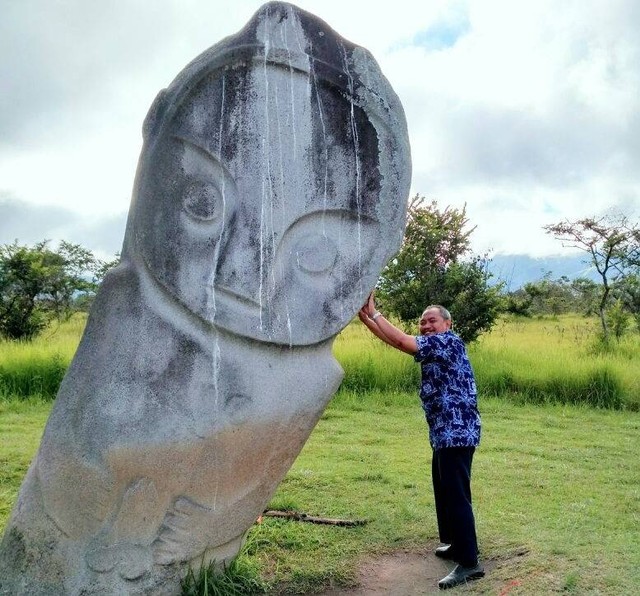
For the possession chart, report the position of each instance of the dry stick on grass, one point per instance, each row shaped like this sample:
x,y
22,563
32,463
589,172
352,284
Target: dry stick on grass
x,y
314,520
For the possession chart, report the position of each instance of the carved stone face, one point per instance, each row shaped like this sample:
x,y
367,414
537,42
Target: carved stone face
x,y
261,203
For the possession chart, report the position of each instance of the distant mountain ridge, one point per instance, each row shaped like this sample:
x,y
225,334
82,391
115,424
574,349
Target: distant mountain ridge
x,y
517,270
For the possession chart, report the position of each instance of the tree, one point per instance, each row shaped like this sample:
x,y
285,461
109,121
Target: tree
x,y
618,319
21,271
627,291
435,266
549,296
38,284
613,244
586,296
553,297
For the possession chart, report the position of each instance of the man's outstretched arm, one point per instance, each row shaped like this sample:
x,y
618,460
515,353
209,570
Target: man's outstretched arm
x,y
384,330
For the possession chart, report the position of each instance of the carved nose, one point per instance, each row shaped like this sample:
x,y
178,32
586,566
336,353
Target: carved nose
x,y
244,266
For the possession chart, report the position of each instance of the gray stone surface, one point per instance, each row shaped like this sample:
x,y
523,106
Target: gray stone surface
x,y
270,192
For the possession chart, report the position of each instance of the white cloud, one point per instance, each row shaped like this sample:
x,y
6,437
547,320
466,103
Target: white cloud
x,y
527,111
28,224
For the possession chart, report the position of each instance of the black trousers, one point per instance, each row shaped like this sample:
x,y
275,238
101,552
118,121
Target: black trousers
x,y
451,472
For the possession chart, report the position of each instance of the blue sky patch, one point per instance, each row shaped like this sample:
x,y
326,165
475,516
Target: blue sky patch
x,y
441,35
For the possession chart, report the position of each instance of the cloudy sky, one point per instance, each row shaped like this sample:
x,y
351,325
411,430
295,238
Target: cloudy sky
x,y
527,111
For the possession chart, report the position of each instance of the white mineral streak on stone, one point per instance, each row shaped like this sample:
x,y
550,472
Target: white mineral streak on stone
x,y
356,152
280,174
283,29
266,181
283,215
325,147
307,66
206,360
217,356
211,287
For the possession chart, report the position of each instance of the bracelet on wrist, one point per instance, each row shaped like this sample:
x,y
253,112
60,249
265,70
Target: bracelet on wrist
x,y
376,315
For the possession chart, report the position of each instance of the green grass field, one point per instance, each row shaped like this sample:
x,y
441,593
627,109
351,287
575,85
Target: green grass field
x,y
556,480
559,482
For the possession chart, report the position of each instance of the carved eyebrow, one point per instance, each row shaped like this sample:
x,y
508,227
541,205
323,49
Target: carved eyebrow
x,y
198,147
336,212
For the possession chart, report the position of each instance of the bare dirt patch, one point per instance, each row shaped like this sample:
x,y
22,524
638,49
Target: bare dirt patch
x,y
405,573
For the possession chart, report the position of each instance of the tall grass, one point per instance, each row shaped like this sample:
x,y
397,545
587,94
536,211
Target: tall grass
x,y
527,360
370,365
36,368
558,361
239,578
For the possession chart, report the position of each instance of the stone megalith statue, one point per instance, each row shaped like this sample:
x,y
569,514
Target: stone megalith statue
x,y
270,192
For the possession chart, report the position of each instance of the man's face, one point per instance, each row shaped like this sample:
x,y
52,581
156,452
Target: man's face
x,y
432,322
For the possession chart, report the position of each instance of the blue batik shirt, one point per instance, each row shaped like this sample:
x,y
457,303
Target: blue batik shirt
x,y
448,391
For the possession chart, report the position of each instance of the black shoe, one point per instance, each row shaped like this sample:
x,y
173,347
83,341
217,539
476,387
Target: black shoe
x,y
445,552
461,575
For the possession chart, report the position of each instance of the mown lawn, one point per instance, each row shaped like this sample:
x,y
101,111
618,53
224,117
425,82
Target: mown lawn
x,y
561,483
557,494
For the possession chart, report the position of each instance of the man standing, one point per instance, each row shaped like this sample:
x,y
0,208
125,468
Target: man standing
x,y
449,399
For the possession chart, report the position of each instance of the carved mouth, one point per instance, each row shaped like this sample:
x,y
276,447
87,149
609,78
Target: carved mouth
x,y
239,304
236,296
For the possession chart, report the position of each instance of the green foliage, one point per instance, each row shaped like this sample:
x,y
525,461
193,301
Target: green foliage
x,y
239,578
38,284
627,291
618,319
21,272
554,297
550,297
518,303
584,296
434,266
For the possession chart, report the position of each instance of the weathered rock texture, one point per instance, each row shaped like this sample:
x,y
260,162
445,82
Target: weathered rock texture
x,y
270,192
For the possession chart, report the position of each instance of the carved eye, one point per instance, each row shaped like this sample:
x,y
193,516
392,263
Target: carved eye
x,y
316,253
203,201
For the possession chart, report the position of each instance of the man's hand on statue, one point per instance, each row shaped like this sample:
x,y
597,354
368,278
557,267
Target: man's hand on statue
x,y
371,304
